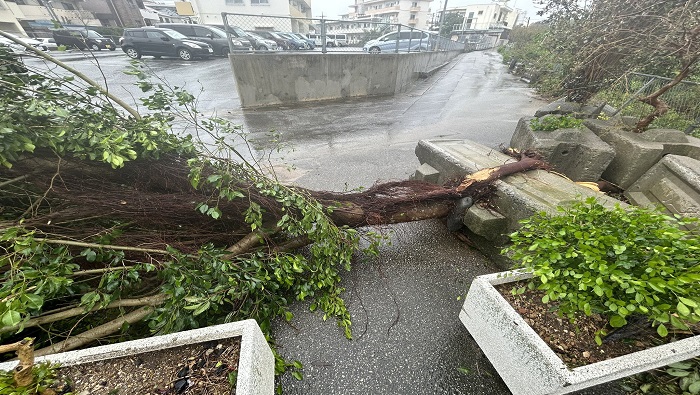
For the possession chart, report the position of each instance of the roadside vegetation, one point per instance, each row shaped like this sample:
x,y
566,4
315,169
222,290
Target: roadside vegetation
x,y
602,52
593,52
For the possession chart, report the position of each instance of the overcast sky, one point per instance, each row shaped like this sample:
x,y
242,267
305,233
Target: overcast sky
x,y
332,8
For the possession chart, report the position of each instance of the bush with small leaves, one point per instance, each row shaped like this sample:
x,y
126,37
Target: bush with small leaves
x,y
614,262
549,123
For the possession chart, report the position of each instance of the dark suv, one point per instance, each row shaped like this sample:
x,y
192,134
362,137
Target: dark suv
x,y
83,39
159,42
210,35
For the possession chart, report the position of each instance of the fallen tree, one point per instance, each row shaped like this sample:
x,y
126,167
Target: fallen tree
x,y
112,221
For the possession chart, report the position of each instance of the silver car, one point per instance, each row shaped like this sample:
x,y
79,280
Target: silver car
x,y
406,41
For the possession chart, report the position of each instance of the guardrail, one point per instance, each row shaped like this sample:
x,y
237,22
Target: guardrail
x,y
333,35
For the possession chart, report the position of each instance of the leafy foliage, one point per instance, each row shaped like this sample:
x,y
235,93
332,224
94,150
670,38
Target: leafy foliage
x,y
614,262
549,123
56,117
44,374
682,378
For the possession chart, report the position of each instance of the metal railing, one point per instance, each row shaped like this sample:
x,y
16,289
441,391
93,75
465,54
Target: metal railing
x,y
332,35
683,100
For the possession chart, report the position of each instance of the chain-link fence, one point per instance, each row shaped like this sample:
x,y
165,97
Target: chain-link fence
x,y
265,33
683,100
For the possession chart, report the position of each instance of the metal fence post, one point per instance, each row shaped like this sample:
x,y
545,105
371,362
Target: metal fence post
x,y
224,16
323,35
410,37
398,36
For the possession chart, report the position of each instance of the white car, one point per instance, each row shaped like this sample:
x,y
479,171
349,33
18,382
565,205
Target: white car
x,y
30,41
49,43
14,47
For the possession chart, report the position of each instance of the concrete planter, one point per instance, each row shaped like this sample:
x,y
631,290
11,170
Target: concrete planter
x,y
525,362
256,366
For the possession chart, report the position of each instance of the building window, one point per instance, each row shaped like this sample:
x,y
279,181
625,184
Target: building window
x,y
68,6
259,2
481,12
234,2
414,4
413,16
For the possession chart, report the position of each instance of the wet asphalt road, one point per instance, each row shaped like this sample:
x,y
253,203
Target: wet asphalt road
x,y
405,303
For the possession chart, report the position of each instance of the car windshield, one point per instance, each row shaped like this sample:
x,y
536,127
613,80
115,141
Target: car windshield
x,y
240,32
218,31
93,34
174,34
275,35
255,36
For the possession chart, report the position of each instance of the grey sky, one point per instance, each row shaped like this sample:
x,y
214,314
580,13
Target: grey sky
x,y
333,8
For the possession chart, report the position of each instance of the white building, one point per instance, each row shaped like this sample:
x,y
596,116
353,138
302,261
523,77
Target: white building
x,y
413,13
209,12
24,16
483,16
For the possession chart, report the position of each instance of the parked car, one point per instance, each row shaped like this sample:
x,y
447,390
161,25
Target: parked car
x,y
29,41
157,42
209,34
263,44
49,43
310,42
294,42
83,39
281,41
12,46
302,41
407,41
239,34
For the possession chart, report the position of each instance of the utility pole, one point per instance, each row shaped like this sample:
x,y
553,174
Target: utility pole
x,y
442,17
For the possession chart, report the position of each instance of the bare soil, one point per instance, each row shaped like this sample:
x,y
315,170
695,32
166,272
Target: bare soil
x,y
197,369
575,342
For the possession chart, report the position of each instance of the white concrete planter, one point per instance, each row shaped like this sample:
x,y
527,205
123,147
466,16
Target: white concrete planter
x,y
256,364
525,362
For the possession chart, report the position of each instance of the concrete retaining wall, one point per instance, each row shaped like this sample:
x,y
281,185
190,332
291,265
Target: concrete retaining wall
x,y
271,79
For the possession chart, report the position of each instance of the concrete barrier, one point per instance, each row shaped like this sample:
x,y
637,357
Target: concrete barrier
x,y
272,79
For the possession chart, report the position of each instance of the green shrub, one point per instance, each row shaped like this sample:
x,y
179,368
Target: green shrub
x,y
549,123
614,262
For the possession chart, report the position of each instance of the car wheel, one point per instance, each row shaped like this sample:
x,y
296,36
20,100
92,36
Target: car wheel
x,y
262,48
95,47
133,53
375,50
224,51
330,44
157,56
113,48
184,54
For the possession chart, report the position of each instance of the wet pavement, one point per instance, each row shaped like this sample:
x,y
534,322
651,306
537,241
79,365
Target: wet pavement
x,y
405,304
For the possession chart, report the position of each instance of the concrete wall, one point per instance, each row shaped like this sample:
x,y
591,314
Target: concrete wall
x,y
271,79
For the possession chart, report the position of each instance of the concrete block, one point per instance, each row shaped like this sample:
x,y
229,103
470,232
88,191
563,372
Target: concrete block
x,y
256,364
486,223
525,362
577,153
633,154
673,183
517,197
426,173
560,107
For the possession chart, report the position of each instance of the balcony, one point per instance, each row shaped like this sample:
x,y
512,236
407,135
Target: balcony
x,y
413,22
414,9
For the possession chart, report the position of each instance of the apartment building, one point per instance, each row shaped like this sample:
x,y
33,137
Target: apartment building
x,y
33,16
484,16
413,13
122,13
209,12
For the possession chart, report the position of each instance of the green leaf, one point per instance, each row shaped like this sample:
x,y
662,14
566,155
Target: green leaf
x,y
677,372
694,388
617,321
11,318
687,302
661,330
682,309
297,375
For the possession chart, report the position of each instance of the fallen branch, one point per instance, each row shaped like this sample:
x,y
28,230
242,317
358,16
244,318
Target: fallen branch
x,y
99,332
76,311
25,352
